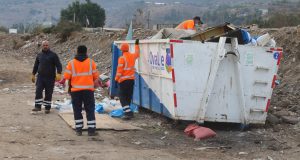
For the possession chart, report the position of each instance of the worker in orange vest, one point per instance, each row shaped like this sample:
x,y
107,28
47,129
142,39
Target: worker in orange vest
x,y
190,24
125,76
82,72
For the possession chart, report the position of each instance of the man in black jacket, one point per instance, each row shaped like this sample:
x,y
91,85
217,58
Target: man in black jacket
x,y
46,64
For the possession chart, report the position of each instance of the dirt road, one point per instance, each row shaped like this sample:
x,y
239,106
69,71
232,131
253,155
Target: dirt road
x,y
39,137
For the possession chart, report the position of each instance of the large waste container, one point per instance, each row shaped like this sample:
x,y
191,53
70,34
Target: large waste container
x,y
190,80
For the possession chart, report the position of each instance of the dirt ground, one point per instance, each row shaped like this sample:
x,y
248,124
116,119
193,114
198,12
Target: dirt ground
x,y
41,136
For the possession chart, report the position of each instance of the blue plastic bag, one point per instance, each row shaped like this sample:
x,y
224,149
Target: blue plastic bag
x,y
120,113
134,107
99,108
117,113
246,36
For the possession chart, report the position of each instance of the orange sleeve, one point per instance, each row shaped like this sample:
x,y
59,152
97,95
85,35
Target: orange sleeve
x,y
180,26
137,51
190,25
68,72
120,69
95,71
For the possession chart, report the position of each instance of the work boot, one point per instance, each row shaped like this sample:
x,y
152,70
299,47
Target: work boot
x,y
128,115
78,133
92,133
47,111
36,109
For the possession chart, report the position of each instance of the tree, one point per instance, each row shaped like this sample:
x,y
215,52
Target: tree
x,y
86,14
139,19
3,29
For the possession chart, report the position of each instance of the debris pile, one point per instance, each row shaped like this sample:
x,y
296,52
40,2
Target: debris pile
x,y
285,106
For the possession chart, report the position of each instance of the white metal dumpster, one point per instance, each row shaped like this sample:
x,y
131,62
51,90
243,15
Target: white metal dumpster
x,y
190,80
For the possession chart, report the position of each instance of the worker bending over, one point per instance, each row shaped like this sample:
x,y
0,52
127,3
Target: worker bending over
x,y
190,24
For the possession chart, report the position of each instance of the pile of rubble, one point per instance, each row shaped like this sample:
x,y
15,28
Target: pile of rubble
x,y
98,44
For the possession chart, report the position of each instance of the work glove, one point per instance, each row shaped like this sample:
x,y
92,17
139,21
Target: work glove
x,y
33,78
58,77
137,42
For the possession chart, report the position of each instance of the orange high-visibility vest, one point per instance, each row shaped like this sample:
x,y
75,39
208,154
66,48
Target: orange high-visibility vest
x,y
188,24
126,63
82,74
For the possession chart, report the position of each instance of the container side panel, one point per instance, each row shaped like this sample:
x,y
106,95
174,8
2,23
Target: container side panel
x,y
192,62
259,67
116,53
224,103
153,87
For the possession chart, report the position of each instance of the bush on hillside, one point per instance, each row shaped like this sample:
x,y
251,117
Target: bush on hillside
x,y
65,28
3,29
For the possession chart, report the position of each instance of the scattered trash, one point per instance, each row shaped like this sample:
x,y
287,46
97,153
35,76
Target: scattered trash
x,y
18,157
109,105
95,139
5,89
199,132
117,113
277,82
104,77
263,40
103,81
269,158
99,108
65,106
172,33
137,142
246,36
205,148
59,89
163,137
243,153
113,107
134,108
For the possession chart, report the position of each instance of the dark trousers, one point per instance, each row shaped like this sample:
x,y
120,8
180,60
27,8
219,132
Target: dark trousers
x,y
85,97
126,92
41,84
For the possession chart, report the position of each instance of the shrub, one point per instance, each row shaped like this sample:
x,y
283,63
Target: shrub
x,y
65,28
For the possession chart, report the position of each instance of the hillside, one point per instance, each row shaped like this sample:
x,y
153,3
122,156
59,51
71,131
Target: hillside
x,y
120,12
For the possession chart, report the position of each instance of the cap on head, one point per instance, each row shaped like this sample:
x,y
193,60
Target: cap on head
x,y
197,18
81,49
124,47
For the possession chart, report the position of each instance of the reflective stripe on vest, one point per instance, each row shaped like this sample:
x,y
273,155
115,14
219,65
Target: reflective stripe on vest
x,y
82,87
124,77
68,71
120,65
90,72
126,68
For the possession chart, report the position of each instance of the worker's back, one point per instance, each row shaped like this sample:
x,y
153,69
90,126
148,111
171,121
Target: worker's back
x,y
188,25
82,74
126,63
